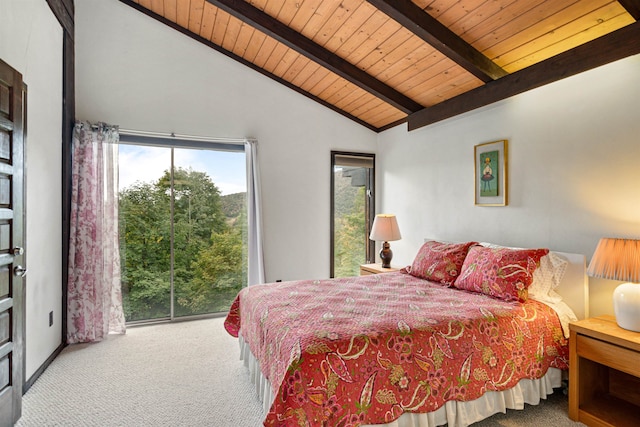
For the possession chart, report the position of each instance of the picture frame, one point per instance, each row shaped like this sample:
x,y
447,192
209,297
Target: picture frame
x,y
490,173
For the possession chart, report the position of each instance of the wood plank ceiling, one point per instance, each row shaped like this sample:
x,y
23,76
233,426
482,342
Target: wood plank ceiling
x,y
383,62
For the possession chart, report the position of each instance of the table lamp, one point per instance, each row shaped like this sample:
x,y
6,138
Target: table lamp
x,y
385,229
619,259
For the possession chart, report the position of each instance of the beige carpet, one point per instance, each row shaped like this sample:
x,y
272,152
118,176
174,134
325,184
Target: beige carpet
x,y
181,374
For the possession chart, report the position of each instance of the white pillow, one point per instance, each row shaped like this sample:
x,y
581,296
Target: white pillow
x,y
547,278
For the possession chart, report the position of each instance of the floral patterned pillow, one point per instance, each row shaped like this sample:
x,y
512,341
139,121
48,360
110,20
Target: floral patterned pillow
x,y
500,272
440,262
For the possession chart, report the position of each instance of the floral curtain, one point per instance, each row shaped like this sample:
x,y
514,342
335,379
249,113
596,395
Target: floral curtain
x,y
94,299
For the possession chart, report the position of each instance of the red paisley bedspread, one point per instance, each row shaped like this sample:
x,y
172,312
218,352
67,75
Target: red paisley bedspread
x,y
363,350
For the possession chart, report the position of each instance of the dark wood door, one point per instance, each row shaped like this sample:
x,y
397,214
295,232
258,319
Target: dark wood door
x,y
12,272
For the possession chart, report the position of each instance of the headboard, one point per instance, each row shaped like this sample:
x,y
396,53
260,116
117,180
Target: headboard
x,y
574,287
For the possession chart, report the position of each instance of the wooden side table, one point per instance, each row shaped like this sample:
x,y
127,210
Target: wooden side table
x,y
366,269
604,373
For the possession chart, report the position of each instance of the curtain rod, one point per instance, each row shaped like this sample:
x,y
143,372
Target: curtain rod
x,y
176,136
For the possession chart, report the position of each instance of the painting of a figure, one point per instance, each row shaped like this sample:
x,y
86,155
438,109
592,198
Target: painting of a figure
x,y
490,170
489,176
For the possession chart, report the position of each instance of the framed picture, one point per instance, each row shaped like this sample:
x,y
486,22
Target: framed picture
x,y
490,167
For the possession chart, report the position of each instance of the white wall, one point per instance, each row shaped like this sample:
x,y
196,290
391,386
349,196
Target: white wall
x,y
574,174
31,42
139,74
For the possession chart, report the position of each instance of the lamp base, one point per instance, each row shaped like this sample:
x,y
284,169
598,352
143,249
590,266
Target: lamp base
x,y
386,255
626,306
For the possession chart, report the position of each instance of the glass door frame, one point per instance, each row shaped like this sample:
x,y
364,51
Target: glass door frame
x,y
370,207
173,143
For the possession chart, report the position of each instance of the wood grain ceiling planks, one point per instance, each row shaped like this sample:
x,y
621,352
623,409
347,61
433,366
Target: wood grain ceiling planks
x,y
379,62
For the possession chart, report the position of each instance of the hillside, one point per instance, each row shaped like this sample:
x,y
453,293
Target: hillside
x,y
233,205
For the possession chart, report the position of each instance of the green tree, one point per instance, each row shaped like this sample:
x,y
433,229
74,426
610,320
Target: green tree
x,y
351,237
144,226
197,212
202,233
218,271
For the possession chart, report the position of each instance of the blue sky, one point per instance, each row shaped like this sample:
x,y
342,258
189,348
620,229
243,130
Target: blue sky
x,y
147,164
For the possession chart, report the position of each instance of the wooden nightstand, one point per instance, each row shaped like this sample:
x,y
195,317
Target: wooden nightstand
x,y
366,269
604,373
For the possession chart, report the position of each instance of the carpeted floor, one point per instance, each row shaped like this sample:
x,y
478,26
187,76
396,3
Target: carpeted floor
x,y
181,374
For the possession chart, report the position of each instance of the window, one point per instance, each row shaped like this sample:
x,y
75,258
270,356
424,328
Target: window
x,y
182,227
352,212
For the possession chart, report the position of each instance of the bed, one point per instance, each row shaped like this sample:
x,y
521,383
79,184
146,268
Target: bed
x,y
466,331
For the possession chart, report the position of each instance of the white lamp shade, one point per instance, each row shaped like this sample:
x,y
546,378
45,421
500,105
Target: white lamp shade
x,y
616,259
385,228
619,259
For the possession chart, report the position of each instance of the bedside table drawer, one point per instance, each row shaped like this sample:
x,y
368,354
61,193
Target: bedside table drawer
x,y
616,357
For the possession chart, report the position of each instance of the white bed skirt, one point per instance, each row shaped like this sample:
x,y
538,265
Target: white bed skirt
x,y
455,414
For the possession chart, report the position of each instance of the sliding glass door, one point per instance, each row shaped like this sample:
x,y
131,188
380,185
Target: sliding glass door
x,y
182,230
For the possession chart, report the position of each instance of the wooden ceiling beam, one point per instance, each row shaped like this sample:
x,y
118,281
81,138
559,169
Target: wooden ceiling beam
x,y
64,10
423,25
617,45
633,7
294,40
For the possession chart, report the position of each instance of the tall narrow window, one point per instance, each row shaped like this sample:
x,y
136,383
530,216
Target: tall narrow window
x,y
182,228
352,212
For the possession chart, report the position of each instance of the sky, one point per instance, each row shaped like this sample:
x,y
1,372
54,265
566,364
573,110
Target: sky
x,y
147,164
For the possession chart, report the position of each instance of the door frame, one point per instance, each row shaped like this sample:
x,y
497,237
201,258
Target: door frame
x,y
64,11
134,138
370,214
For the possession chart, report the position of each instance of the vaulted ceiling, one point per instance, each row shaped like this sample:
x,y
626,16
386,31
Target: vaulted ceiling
x,y
383,62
